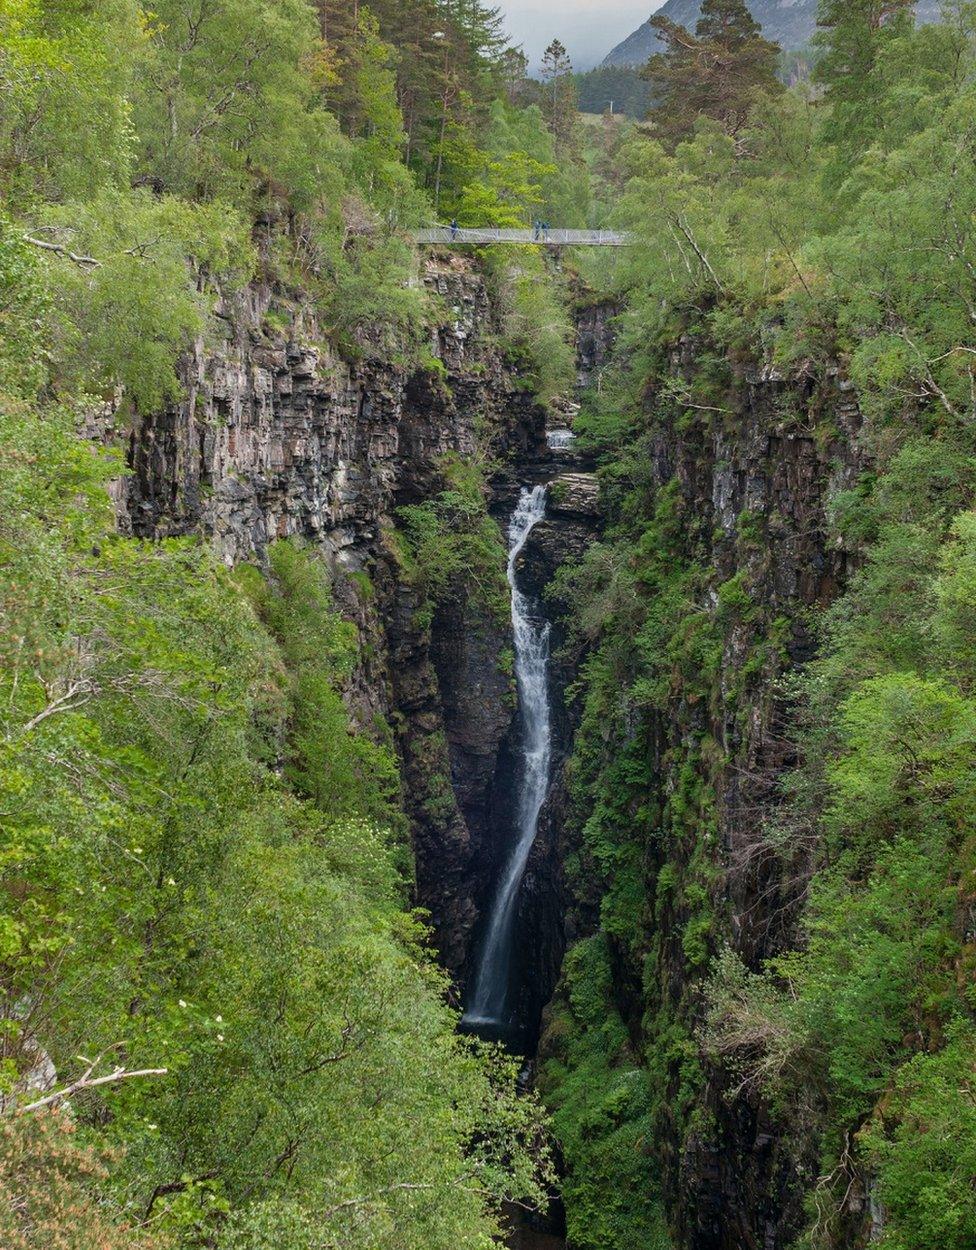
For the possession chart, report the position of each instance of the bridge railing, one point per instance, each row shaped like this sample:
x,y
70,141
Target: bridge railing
x,y
447,236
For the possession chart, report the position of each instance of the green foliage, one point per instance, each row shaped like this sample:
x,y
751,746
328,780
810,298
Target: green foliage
x,y
452,542
536,326
922,1146
907,743
558,97
602,1111
851,39
227,89
136,150
715,73
619,85
340,770
65,72
22,309
828,1032
201,860
165,896
815,233
109,326
449,66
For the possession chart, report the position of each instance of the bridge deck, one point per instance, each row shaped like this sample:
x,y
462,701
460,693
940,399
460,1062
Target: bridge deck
x,y
552,238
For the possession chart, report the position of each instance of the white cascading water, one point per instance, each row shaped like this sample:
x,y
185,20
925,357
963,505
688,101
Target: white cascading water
x,y
560,440
531,638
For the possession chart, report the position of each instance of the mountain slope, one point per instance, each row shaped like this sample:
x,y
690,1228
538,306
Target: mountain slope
x,y
791,23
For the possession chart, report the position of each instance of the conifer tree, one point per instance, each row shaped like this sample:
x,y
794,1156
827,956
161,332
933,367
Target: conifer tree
x,y
715,72
514,71
559,97
339,24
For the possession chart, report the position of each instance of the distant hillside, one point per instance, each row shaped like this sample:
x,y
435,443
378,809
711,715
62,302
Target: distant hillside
x,y
791,23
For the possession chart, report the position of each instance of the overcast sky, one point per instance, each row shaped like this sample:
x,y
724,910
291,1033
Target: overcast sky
x,y
588,28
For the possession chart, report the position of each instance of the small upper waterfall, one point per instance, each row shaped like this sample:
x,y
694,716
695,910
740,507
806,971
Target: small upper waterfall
x,y
531,637
561,439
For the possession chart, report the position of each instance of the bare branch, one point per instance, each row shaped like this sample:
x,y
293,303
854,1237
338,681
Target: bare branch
x,y
84,262
75,695
87,1081
692,242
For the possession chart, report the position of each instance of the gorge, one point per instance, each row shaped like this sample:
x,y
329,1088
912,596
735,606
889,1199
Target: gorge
x,y
270,445
490,871
486,732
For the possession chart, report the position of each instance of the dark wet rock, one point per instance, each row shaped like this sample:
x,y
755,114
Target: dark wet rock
x,y
595,339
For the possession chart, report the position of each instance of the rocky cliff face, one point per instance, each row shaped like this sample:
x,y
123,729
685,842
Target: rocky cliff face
x,y
595,341
757,483
736,494
280,437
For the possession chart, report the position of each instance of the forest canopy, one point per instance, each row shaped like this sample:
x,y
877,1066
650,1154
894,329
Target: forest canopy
x,y
818,242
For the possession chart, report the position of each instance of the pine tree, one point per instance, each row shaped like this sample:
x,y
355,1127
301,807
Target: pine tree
x,y
514,72
339,24
559,97
715,72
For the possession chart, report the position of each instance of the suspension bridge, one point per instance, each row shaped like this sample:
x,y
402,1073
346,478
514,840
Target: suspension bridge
x,y
451,236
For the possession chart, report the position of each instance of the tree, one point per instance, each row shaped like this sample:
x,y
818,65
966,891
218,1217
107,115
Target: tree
x,y
49,1191
339,23
715,72
228,88
515,70
922,1148
65,74
619,85
851,36
559,97
161,887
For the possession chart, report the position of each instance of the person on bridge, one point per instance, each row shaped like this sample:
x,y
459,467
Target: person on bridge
x,y
455,230
545,231
537,227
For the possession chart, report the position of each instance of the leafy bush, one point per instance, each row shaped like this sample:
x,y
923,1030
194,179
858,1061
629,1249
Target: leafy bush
x,y
922,1142
342,771
452,541
535,323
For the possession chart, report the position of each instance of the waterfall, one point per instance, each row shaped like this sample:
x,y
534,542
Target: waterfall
x,y
531,639
560,440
